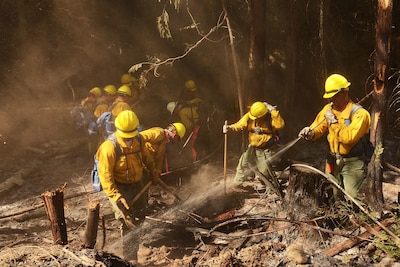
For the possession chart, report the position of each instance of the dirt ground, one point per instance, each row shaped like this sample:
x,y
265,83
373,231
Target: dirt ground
x,y
211,226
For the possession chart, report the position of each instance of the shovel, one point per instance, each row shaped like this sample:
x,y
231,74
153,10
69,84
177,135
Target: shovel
x,y
169,189
125,212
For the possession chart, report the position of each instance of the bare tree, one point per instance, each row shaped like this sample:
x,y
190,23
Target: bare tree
x,y
256,68
374,195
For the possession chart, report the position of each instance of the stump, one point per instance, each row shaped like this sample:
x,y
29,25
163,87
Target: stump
x,y
54,204
92,223
306,188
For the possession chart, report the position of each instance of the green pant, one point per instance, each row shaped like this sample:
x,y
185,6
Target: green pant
x,y
351,176
253,158
129,191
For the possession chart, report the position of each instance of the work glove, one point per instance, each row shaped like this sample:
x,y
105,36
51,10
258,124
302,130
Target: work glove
x,y
330,117
257,130
226,128
270,107
306,133
123,205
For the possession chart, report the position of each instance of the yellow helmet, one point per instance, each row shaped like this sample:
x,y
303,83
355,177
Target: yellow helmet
x,y
96,91
124,90
257,110
110,89
334,84
171,107
180,129
191,85
127,78
127,124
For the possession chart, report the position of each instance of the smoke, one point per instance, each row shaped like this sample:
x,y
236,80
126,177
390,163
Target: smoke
x,y
205,188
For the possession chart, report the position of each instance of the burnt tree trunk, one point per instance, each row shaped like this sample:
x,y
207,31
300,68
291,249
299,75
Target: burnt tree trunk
x,y
374,195
92,223
54,204
256,66
234,60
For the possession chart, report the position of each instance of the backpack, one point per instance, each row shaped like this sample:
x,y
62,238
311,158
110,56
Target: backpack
x,y
364,146
94,174
106,123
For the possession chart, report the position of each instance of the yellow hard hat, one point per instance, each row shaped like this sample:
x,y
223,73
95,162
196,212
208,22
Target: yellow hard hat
x,y
334,84
127,78
180,129
127,124
257,110
96,91
124,90
191,85
110,89
171,107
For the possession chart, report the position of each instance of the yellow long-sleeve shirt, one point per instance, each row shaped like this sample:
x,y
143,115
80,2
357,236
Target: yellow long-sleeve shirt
x,y
126,169
341,137
267,129
119,106
100,107
156,142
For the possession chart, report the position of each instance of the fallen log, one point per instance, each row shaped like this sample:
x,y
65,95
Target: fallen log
x,y
39,206
18,178
356,239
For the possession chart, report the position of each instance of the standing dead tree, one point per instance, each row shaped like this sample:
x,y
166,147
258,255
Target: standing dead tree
x,y
374,195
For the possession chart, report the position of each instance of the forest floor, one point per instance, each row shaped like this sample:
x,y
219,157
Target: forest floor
x,y
211,226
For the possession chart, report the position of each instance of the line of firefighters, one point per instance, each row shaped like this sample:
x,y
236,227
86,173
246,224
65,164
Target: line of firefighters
x,y
123,175
96,113
129,157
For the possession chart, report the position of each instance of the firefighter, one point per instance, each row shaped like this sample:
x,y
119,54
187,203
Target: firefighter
x,y
347,125
193,113
108,96
83,113
159,142
90,101
263,123
122,101
110,93
121,178
95,130
136,92
106,121
188,105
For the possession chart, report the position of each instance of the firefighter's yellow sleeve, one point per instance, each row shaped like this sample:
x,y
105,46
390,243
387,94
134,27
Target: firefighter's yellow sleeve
x,y
320,125
156,143
240,124
148,160
100,109
277,121
106,155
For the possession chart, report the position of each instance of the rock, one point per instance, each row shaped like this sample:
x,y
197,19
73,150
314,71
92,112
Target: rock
x,y
295,253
